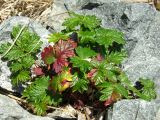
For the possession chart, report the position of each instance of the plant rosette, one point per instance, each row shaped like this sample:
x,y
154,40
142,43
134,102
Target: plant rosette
x,y
81,68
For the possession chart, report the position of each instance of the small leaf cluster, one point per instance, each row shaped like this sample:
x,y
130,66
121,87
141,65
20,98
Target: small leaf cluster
x,y
83,65
22,55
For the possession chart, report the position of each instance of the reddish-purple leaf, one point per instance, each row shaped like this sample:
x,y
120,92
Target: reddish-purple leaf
x,y
63,50
91,73
48,55
38,71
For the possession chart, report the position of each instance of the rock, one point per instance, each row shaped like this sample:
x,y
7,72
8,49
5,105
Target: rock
x,y
11,110
67,112
58,12
5,30
134,110
55,15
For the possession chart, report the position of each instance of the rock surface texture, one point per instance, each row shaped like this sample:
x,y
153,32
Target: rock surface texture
x,y
141,24
10,110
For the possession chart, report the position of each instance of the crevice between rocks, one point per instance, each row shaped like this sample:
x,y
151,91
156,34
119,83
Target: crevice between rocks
x,y
137,112
91,6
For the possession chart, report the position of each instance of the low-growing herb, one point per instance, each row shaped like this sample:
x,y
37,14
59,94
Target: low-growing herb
x,y
83,64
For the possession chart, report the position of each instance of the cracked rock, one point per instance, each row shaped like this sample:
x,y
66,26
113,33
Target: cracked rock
x,y
134,110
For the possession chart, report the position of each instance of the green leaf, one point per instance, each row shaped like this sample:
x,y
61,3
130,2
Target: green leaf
x,y
148,90
38,95
105,84
16,66
79,85
40,108
124,79
107,37
27,41
122,90
57,36
37,90
21,76
88,21
72,22
16,30
86,36
84,65
147,83
91,22
116,57
106,93
4,47
14,53
27,61
85,52
111,76
149,93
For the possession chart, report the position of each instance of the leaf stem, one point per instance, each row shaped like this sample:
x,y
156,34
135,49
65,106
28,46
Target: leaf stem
x,y
14,41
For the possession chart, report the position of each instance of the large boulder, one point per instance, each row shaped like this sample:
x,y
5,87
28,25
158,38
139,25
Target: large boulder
x,y
135,110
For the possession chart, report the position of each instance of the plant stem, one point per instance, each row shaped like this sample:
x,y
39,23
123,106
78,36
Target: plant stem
x,y
14,41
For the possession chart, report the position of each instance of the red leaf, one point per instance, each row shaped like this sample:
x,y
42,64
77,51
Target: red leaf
x,y
114,97
58,54
48,55
63,50
38,71
99,57
91,73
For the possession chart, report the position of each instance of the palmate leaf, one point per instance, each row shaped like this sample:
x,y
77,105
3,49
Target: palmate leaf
x,y
27,61
48,55
27,41
87,21
148,89
16,67
107,37
15,53
84,53
61,82
116,57
79,85
38,95
106,90
40,108
57,36
84,65
4,47
20,77
87,36
58,54
121,90
123,78
63,50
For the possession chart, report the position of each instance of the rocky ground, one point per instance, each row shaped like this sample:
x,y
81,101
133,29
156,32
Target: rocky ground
x,y
141,24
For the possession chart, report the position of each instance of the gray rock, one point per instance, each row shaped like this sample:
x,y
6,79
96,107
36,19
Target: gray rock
x,y
10,110
55,15
5,30
134,110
